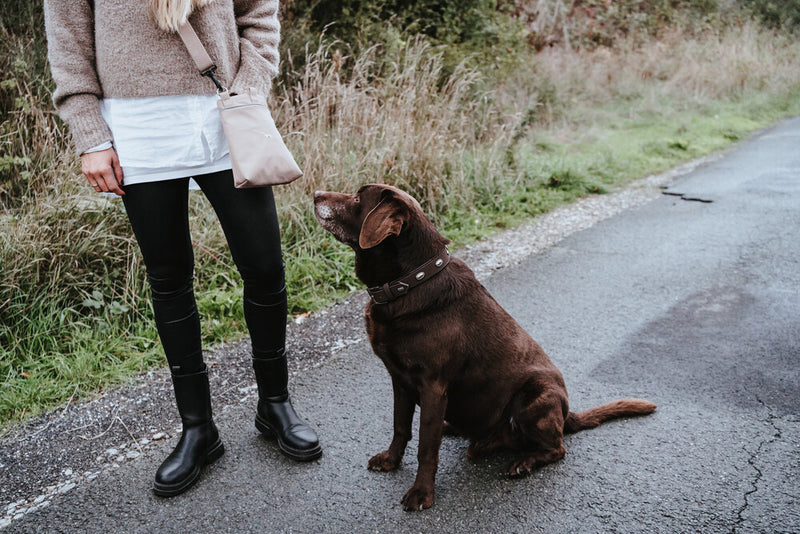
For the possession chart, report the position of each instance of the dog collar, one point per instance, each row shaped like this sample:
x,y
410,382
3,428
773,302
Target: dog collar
x,y
390,291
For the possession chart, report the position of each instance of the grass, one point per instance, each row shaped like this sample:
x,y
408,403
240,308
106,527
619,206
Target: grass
x,y
482,148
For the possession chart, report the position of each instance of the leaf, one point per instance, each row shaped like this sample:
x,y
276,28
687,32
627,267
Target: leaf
x,y
91,303
118,308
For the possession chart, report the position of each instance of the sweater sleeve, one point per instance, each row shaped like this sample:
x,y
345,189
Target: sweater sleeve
x,y
259,31
69,25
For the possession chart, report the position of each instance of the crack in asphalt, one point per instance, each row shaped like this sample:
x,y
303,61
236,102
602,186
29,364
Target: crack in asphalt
x,y
752,462
683,196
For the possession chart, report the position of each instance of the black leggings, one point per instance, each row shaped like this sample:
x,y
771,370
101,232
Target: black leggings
x,y
159,215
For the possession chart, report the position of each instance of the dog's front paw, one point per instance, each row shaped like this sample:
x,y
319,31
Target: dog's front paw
x,y
383,461
417,498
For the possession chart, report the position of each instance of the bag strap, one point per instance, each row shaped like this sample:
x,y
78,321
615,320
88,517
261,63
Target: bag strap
x,y
199,54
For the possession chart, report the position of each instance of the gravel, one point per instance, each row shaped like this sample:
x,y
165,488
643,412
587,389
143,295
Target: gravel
x,y
72,445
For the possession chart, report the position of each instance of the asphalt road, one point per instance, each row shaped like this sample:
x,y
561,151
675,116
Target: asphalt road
x,y
692,304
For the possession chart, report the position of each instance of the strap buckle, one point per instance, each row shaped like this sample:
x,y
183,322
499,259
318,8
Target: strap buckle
x,y
209,73
388,292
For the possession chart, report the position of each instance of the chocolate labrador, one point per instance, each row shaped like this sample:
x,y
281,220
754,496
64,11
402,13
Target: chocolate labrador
x,y
449,346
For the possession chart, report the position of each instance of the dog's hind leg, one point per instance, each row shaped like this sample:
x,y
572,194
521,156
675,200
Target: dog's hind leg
x,y
501,439
539,427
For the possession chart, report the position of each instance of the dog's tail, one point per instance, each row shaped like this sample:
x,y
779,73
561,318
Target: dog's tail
x,y
611,410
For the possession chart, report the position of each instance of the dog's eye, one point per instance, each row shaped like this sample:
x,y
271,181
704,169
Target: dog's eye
x,y
357,199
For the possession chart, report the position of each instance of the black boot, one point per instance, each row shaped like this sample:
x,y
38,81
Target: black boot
x,y
275,417
199,444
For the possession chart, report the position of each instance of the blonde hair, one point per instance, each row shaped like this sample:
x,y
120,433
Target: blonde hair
x,y
171,14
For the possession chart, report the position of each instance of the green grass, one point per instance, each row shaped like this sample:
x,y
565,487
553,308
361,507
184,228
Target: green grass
x,y
610,153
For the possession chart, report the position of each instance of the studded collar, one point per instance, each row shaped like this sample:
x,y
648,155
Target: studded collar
x,y
390,291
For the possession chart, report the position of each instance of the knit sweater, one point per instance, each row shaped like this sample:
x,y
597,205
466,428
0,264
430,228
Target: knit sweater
x,y
113,49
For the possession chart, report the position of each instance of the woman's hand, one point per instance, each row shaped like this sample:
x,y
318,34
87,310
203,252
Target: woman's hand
x,y
103,171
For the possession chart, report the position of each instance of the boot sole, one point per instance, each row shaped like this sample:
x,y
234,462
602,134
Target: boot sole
x,y
300,455
171,490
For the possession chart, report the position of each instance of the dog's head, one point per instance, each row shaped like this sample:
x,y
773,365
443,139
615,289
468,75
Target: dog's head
x,y
366,218
379,221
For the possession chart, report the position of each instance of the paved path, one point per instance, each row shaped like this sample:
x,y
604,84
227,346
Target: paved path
x,y
692,304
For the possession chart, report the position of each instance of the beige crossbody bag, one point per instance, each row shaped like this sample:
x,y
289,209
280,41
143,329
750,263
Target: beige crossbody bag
x,y
259,156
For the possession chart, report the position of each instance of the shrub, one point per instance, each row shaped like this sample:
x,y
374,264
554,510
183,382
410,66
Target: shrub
x,y
783,14
602,22
447,21
461,30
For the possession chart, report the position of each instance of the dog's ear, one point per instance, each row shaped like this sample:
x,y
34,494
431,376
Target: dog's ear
x,y
385,219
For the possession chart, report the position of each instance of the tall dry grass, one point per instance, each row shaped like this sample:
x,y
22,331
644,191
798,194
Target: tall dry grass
x,y
588,23
400,121
716,65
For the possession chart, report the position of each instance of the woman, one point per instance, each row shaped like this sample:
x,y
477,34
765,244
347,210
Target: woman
x,y
144,122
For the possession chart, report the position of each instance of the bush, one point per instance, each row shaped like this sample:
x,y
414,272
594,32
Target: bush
x,y
27,124
463,29
22,16
782,14
588,23
447,21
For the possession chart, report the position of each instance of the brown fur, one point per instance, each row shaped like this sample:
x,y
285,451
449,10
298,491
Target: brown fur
x,y
452,349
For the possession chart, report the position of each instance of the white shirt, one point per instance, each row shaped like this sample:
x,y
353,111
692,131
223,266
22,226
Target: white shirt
x,y
166,137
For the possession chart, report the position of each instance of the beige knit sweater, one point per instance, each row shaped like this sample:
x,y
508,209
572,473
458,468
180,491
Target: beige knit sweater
x,y
112,49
